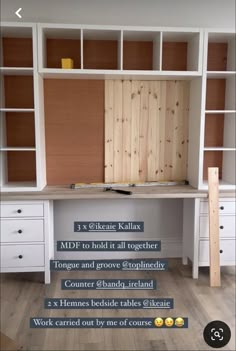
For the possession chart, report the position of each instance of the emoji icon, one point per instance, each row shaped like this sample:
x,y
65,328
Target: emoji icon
x,y
179,322
169,322
158,322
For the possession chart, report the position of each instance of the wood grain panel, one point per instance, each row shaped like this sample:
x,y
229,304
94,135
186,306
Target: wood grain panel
x,y
174,56
157,128
135,127
20,129
21,166
100,54
217,57
74,123
137,55
19,92
17,52
63,48
127,114
214,130
215,95
212,159
118,130
109,120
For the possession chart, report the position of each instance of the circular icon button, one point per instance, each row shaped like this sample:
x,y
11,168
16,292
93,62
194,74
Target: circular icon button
x,y
217,334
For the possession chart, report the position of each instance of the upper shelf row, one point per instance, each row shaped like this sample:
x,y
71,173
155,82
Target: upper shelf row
x,y
117,49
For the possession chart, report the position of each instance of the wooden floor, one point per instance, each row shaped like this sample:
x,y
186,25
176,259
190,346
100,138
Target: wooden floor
x,y
22,297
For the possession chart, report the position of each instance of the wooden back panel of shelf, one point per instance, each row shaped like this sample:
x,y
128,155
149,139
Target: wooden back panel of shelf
x,y
174,56
217,57
20,131
74,128
215,95
21,166
100,54
19,92
214,130
137,55
62,48
17,52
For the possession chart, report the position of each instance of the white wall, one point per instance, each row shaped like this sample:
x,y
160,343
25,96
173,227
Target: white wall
x,y
197,13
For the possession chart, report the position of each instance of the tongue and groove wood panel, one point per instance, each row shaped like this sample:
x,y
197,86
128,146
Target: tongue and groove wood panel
x,y
146,130
74,128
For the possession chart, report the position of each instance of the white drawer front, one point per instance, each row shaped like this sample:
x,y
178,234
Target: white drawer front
x,y
225,207
226,225
22,210
20,230
22,256
227,251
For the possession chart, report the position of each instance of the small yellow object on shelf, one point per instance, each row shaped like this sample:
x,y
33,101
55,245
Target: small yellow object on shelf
x,y
67,63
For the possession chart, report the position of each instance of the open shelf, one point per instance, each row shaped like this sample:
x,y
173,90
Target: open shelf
x,y
17,47
19,92
141,50
17,52
221,52
220,94
19,130
20,166
220,130
180,51
101,49
61,43
225,161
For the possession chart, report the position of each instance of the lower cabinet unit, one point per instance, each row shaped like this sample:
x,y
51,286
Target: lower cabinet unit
x,y
196,233
27,236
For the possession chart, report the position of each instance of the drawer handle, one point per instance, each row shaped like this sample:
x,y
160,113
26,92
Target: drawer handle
x,y
222,208
19,211
221,251
221,227
20,231
20,257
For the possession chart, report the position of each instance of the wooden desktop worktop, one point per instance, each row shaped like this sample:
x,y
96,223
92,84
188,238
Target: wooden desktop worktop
x,y
152,192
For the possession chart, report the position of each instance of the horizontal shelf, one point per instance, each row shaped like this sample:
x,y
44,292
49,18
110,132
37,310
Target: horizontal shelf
x,y
16,109
17,71
113,74
17,149
19,186
222,184
219,111
220,74
219,149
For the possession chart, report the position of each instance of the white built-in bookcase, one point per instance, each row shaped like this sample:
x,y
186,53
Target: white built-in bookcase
x,y
22,123
117,49
218,146
205,58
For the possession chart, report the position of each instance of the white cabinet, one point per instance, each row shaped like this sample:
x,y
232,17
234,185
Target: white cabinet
x,y
27,237
196,233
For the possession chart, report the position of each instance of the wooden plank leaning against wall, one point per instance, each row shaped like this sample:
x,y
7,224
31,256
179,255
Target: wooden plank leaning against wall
x,y
146,130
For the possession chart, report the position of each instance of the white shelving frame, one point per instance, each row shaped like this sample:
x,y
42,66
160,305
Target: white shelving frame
x,y
21,30
193,35
229,149
197,73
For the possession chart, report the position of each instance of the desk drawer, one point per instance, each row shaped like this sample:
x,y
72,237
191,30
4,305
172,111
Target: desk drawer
x,y
226,224
227,252
19,256
22,210
225,207
20,230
